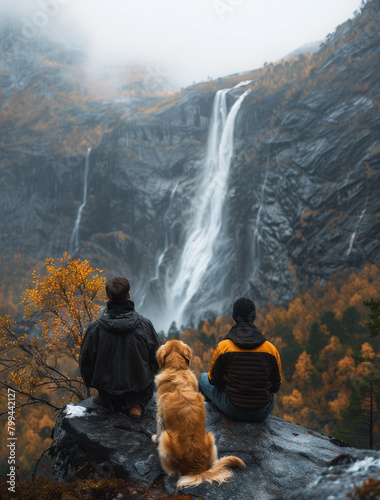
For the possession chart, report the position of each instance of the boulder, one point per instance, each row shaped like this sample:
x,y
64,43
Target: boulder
x,y
281,457
345,473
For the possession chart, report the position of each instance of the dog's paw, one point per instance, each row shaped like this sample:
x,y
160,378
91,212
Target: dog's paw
x,y
154,438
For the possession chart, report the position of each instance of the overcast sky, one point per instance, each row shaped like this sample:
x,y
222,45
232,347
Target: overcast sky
x,y
190,39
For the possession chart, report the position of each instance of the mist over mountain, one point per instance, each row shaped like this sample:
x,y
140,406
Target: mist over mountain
x,y
188,41
197,196
308,48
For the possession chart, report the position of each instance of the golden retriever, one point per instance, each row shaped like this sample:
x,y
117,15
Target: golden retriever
x,y
184,447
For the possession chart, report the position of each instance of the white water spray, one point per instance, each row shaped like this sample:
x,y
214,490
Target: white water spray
x,y
198,251
74,240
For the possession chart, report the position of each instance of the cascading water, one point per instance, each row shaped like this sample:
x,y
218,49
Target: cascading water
x,y
353,235
74,240
168,243
257,231
168,230
198,251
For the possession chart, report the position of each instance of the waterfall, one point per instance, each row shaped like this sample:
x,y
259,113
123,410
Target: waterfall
x,y
168,228
257,232
198,250
167,243
353,235
74,240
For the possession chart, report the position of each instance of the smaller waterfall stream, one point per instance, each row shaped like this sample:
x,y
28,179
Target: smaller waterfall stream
x,y
353,235
257,231
74,240
168,225
167,242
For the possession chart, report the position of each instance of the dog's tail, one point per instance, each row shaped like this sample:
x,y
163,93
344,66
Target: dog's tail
x,y
220,471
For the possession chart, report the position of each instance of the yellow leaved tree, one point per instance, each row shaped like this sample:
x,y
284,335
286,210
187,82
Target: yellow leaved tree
x,y
39,361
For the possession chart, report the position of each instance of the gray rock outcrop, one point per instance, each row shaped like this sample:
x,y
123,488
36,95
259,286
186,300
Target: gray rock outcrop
x,y
281,457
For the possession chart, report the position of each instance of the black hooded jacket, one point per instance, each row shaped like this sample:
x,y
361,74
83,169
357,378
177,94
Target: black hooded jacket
x,y
248,365
118,352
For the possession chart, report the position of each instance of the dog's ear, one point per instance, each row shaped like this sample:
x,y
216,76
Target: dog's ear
x,y
160,356
187,353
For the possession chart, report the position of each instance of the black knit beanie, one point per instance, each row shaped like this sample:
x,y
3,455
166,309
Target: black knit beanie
x,y
244,310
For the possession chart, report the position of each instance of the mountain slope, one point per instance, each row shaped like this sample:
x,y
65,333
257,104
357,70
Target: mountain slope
x,y
300,196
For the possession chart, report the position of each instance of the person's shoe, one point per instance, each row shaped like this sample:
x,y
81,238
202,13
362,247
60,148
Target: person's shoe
x,y
135,412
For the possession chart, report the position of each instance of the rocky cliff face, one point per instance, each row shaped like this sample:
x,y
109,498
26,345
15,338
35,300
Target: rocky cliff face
x,y
284,460
299,194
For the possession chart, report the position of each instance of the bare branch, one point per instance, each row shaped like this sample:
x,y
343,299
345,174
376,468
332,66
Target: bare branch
x,y
38,460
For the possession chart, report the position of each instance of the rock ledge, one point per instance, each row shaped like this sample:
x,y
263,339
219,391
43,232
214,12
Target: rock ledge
x,y
284,460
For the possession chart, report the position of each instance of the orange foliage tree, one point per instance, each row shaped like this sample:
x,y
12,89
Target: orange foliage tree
x,y
43,358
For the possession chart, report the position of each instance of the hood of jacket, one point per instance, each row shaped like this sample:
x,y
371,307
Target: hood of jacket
x,y
120,317
245,335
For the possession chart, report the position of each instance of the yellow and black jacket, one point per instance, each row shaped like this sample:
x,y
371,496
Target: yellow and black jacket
x,y
248,365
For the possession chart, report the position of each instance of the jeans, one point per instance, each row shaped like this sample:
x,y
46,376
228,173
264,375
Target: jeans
x,y
219,397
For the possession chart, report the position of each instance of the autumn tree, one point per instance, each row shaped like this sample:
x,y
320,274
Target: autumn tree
x,y
364,407
303,370
372,379
40,360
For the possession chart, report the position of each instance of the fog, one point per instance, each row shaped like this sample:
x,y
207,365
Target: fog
x,y
187,40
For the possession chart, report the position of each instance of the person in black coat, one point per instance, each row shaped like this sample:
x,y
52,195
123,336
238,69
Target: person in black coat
x,y
245,370
118,353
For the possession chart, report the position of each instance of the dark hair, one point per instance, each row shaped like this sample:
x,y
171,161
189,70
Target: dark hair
x,y
117,288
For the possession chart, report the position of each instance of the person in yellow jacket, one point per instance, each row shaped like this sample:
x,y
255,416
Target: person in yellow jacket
x,y
245,370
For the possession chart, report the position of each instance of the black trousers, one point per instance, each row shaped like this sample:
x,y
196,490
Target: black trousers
x,y
127,400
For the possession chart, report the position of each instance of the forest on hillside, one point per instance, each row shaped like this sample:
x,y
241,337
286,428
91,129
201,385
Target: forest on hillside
x,y
318,334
